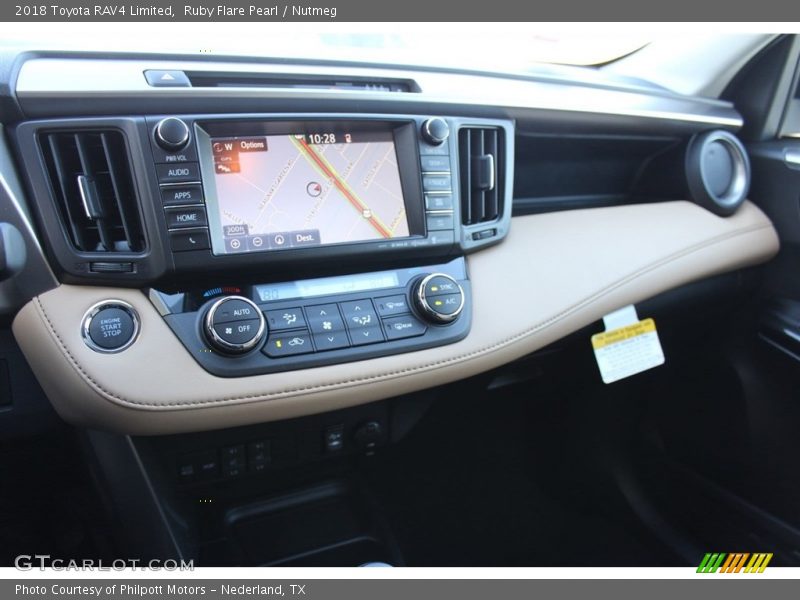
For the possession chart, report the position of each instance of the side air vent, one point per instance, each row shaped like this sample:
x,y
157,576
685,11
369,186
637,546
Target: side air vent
x,y
481,163
92,184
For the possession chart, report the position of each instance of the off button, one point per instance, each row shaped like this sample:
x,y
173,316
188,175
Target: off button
x,y
238,332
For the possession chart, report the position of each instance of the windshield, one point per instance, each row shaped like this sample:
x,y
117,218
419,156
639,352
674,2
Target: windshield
x,y
488,46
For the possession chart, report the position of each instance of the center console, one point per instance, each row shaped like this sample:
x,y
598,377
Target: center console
x,y
274,242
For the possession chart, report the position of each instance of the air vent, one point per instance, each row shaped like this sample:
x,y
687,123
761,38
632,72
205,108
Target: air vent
x,y
309,82
91,179
481,165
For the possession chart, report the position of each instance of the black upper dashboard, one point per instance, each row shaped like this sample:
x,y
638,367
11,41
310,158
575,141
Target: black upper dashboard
x,y
563,138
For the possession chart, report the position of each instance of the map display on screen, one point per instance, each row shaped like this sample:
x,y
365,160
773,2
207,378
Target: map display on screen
x,y
297,190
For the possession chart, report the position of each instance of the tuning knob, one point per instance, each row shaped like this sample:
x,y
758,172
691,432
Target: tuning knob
x,y
234,325
438,298
435,131
172,134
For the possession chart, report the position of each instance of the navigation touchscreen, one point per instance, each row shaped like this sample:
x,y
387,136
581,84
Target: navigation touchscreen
x,y
273,192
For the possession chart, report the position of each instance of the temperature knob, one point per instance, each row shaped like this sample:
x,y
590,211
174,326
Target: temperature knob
x,y
234,325
438,298
172,134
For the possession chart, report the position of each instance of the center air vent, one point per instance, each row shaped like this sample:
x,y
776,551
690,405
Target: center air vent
x,y
299,82
481,164
92,184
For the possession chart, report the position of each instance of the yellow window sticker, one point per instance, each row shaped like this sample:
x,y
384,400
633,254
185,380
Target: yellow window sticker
x,y
627,347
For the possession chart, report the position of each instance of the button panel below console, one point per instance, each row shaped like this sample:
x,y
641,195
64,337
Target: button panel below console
x,y
248,453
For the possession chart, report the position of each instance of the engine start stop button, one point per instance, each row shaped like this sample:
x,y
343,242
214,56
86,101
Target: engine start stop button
x,y
110,326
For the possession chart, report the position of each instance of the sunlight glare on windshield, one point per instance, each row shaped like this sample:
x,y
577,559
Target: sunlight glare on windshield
x,y
502,47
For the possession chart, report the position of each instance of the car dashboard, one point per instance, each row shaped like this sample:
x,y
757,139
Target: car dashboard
x,y
198,243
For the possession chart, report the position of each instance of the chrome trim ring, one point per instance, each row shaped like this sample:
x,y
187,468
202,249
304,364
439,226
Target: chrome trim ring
x,y
422,302
740,179
96,308
225,346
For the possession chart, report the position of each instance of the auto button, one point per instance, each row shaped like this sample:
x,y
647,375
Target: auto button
x,y
234,309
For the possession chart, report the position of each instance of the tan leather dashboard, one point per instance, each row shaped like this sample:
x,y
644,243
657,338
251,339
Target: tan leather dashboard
x,y
554,274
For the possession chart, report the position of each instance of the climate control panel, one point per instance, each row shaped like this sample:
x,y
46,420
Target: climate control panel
x,y
294,325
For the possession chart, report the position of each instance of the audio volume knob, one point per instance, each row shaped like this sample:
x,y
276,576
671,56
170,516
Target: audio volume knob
x,y
172,134
435,131
438,298
234,325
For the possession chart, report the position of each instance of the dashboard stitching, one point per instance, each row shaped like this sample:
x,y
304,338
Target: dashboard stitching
x,y
391,374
